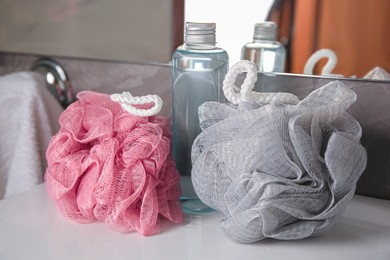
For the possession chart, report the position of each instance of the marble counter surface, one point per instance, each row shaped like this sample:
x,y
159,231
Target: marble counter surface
x,y
32,228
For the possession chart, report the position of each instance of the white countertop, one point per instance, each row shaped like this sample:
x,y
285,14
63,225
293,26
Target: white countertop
x,y
31,227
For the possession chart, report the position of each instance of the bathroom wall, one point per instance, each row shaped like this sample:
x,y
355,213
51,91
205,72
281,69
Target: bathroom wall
x,y
143,79
104,76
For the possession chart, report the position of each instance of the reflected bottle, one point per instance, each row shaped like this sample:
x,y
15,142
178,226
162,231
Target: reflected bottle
x,y
199,68
265,51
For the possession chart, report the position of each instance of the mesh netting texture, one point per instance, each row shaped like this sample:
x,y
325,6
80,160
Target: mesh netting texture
x,y
108,165
279,171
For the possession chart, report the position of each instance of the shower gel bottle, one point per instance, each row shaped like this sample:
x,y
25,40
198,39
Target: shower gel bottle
x,y
199,68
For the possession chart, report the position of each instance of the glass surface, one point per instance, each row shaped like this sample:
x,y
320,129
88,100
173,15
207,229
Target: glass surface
x,y
269,56
33,221
197,78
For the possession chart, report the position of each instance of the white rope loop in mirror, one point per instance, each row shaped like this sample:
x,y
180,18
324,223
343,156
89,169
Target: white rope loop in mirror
x,y
127,102
246,92
328,67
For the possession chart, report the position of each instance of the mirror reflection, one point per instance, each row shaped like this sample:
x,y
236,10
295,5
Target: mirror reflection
x,y
356,31
136,30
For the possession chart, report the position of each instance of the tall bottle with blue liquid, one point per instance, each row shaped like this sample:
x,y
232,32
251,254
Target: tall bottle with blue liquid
x,y
199,68
265,51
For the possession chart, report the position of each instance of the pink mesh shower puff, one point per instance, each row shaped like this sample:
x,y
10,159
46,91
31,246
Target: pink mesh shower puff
x,y
108,165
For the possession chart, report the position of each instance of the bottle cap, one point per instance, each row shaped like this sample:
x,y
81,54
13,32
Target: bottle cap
x,y
200,33
265,31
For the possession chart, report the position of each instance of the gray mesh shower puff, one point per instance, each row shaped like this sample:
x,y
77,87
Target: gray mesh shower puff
x,y
279,171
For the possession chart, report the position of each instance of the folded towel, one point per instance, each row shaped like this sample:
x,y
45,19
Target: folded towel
x,y
28,119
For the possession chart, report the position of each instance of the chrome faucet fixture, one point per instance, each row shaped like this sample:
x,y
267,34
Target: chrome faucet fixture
x,y
57,81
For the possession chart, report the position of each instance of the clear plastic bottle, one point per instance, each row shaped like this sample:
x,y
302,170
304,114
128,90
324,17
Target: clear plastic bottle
x,y
265,51
199,68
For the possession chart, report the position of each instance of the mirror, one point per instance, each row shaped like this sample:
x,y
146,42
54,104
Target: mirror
x,y
356,30
149,30
136,30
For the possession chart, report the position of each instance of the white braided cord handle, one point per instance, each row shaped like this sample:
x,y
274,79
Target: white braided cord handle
x,y
126,100
246,92
328,67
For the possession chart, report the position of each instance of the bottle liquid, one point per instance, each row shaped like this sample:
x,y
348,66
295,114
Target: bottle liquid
x,y
265,51
199,68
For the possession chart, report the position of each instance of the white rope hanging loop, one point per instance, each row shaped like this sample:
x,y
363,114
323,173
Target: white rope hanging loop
x,y
127,102
246,92
328,67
